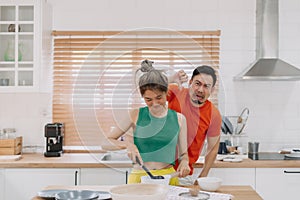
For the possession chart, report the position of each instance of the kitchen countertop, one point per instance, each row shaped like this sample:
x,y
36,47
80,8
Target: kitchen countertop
x,y
93,160
239,192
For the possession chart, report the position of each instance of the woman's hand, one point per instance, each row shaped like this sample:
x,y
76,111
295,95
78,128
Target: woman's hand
x,y
133,152
184,168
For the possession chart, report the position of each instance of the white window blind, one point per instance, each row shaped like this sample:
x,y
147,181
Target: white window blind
x,y
94,73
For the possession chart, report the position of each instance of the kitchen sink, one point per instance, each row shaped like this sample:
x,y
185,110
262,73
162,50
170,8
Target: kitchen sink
x,y
115,158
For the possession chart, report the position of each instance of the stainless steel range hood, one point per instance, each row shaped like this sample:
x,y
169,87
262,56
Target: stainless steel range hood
x,y
268,66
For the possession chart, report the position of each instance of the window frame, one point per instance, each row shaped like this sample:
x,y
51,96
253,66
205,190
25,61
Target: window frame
x,y
114,51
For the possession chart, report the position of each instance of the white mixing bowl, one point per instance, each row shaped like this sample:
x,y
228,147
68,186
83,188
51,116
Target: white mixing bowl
x,y
139,191
210,184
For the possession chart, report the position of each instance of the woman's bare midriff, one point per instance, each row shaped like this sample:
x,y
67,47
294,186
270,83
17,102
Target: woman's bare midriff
x,y
154,165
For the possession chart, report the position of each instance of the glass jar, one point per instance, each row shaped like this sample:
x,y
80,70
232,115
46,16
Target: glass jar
x,y
9,54
9,132
2,136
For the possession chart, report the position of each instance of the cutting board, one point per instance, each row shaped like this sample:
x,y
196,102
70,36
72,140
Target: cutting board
x,y
6,158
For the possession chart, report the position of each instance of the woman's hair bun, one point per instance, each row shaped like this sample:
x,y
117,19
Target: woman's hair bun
x,y
146,66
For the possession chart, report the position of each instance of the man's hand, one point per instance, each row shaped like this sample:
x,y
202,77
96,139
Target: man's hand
x,y
179,78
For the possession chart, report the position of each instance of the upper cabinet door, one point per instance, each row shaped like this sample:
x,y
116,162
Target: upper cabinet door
x,y
21,44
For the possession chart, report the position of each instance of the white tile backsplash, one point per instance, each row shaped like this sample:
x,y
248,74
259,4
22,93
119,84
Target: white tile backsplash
x,y
236,5
289,29
274,106
289,5
26,113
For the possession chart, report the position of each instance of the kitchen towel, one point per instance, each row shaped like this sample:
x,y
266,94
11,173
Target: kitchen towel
x,y
174,192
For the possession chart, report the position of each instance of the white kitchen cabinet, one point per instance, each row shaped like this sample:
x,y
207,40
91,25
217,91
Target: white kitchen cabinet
x,y
25,38
278,183
103,176
1,184
25,183
235,176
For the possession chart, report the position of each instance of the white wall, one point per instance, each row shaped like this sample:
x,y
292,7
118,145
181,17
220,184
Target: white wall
x,y
274,106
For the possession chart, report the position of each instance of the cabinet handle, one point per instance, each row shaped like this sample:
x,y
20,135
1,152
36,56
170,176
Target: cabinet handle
x,y
76,174
291,172
126,176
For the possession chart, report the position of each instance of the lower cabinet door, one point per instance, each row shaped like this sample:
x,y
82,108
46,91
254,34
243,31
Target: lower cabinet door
x,y
103,176
26,183
278,183
1,184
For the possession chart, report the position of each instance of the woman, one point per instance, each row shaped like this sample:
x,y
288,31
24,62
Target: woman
x,y
159,134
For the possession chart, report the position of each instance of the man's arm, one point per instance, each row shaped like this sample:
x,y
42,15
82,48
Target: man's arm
x,y
179,78
211,154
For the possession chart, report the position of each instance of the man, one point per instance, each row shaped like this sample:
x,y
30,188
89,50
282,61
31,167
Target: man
x,y
203,118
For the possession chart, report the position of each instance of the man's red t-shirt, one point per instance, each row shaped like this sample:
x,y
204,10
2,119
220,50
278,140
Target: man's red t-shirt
x,y
201,121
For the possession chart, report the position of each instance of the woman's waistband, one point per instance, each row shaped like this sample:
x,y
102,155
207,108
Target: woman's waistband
x,y
162,171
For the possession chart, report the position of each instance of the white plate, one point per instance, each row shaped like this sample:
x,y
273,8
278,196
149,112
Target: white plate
x,y
103,195
290,150
201,195
232,159
10,157
293,155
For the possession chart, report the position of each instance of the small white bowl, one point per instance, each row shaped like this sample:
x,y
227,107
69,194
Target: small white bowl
x,y
210,184
148,179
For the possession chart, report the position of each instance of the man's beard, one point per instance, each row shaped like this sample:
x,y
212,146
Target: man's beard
x,y
197,102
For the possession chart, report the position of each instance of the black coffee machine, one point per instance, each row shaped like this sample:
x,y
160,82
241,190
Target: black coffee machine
x,y
54,139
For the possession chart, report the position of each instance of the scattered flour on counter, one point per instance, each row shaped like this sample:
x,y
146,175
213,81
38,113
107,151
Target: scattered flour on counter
x,y
174,192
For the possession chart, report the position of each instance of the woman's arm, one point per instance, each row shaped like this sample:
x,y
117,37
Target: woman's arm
x,y
123,126
183,167
113,142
